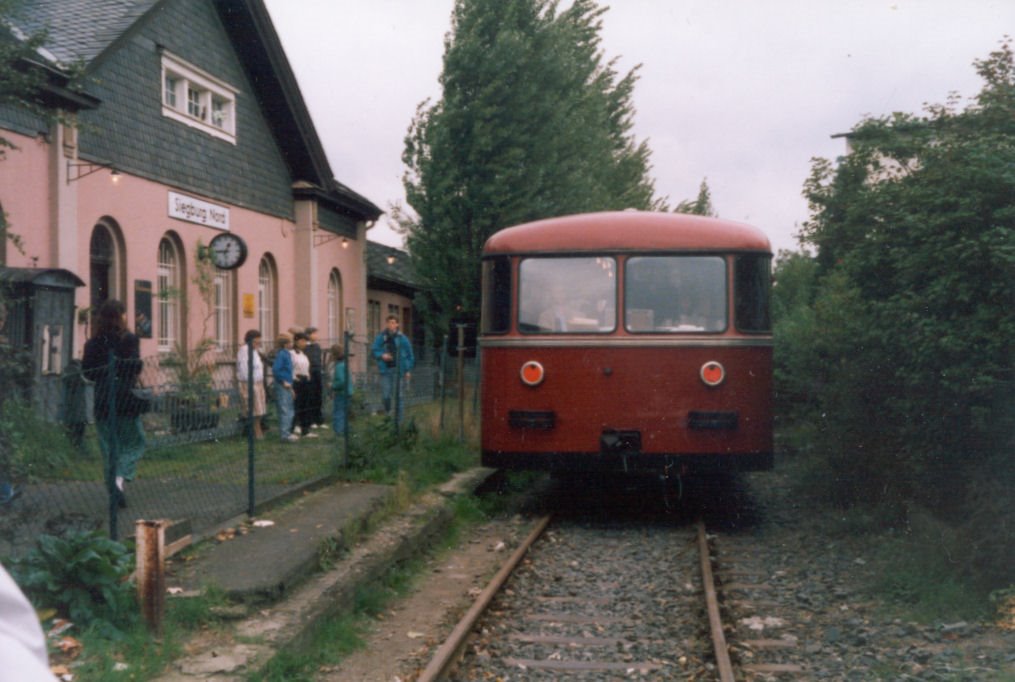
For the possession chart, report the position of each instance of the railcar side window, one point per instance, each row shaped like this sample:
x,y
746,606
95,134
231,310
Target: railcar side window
x,y
752,285
496,295
567,295
675,294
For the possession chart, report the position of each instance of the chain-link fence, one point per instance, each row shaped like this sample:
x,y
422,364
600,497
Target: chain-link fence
x,y
200,461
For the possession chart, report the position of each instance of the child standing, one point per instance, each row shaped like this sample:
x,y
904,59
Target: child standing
x,y
341,389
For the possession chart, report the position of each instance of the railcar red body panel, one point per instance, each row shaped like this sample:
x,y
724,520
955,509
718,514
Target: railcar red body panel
x,y
651,391
631,385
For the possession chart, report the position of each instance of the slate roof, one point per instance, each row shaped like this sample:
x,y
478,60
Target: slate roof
x,y
398,276
84,30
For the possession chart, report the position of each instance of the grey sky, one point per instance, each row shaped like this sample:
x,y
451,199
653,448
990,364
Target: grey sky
x,y
742,92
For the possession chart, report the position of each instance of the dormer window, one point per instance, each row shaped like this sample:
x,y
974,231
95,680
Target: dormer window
x,y
198,99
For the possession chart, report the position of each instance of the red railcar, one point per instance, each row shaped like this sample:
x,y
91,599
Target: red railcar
x,y
627,341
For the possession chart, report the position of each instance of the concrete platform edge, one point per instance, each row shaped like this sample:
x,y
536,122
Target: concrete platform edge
x,y
291,621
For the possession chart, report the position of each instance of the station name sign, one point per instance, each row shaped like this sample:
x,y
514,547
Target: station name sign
x,y
197,211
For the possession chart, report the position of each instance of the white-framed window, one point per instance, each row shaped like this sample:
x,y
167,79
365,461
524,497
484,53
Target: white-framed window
x,y
335,307
168,292
170,85
223,309
198,99
267,298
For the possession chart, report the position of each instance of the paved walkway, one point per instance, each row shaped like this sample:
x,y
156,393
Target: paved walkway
x,y
306,565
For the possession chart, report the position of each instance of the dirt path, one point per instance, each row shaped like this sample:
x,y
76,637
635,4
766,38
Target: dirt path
x,y
397,645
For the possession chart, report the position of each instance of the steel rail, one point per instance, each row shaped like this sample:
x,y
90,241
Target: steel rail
x,y
449,651
722,654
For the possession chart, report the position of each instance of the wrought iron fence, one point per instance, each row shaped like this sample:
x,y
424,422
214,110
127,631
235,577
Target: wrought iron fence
x,y
200,461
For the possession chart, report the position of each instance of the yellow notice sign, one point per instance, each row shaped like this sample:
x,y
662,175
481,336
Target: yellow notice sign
x,y
249,306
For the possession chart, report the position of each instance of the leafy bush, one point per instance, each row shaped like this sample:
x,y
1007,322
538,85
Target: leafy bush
x,y
83,575
894,340
30,448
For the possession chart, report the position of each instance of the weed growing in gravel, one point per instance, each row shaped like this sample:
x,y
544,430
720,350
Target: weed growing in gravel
x,y
337,636
378,453
917,577
136,654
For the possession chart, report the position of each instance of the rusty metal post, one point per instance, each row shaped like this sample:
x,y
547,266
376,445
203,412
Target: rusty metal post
x,y
151,570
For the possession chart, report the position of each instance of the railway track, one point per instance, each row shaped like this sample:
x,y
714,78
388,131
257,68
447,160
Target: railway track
x,y
594,601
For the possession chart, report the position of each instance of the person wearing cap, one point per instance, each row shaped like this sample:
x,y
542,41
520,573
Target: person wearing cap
x,y
316,399
282,370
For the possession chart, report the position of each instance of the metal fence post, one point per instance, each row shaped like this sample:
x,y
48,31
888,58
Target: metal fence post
x,y
347,344
443,378
250,429
461,383
398,385
113,434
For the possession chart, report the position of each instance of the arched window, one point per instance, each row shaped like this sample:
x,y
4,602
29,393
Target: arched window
x,y
105,264
267,298
169,293
224,306
335,307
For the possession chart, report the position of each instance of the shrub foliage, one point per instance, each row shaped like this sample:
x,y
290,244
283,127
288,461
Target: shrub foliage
x,y
84,576
895,337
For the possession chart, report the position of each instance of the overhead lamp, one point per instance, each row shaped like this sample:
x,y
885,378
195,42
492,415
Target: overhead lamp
x,y
391,259
114,175
345,243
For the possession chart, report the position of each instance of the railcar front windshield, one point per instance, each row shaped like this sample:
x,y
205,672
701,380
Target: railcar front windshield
x,y
575,295
675,294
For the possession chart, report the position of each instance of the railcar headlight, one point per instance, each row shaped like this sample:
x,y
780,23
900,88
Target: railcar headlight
x,y
532,373
713,373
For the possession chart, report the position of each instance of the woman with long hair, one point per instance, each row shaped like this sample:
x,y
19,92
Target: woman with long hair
x,y
117,413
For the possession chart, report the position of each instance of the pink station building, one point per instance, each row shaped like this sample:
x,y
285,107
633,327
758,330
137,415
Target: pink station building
x,y
187,123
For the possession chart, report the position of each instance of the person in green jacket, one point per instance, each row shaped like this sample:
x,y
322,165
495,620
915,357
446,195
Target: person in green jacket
x,y
341,389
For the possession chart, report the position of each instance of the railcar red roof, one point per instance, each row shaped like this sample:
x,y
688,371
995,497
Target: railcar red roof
x,y
628,231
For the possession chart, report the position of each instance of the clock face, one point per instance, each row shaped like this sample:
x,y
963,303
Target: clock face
x,y
228,251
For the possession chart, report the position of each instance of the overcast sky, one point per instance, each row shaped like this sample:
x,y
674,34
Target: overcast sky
x,y
741,92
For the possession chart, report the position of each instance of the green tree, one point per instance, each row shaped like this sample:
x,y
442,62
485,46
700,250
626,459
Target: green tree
x,y
700,205
914,308
532,123
22,65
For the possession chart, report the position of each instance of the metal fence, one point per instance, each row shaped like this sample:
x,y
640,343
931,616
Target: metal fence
x,y
200,462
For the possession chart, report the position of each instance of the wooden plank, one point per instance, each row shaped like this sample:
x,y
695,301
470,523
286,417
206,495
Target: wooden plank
x,y
534,638
773,668
744,586
575,618
582,666
574,600
770,643
179,545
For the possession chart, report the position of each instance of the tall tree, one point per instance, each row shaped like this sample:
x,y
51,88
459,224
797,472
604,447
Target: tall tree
x,y
914,320
700,205
532,123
